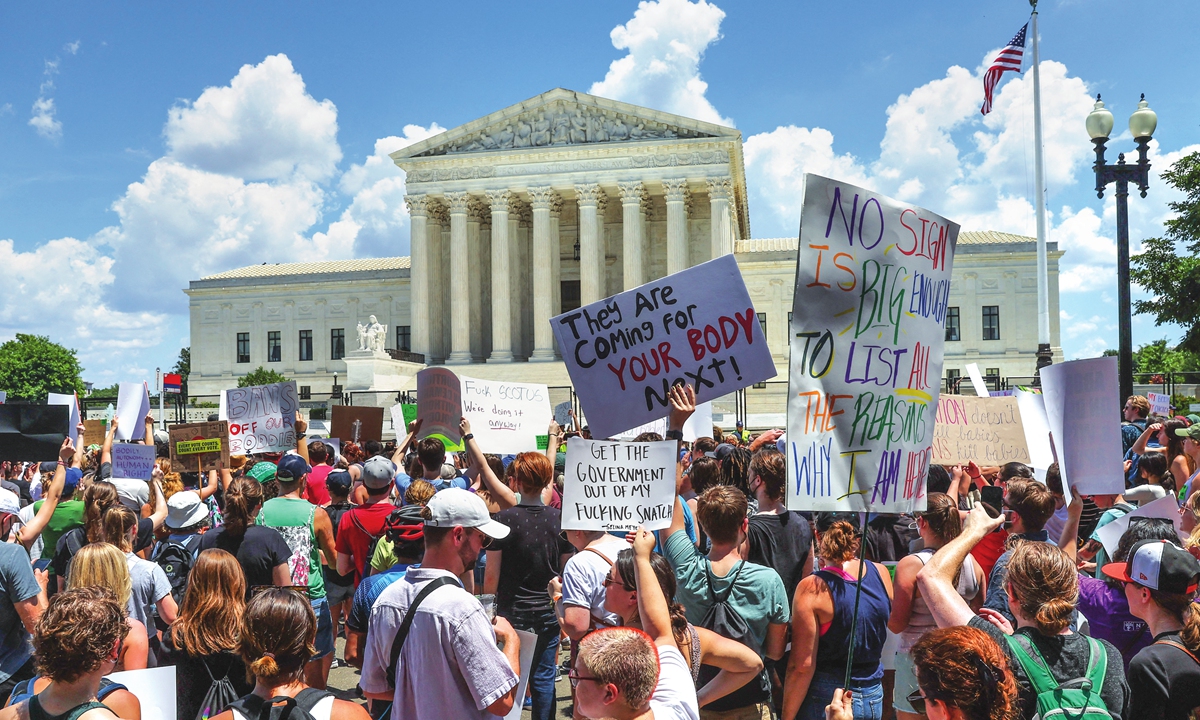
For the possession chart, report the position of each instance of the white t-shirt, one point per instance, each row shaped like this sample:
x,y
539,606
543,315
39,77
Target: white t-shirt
x,y
132,493
450,666
674,696
583,579
1056,523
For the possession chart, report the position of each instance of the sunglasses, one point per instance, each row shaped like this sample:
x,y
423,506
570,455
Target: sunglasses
x,y
917,701
574,676
487,539
609,581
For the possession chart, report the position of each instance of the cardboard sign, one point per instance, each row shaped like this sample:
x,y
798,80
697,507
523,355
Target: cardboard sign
x,y
1160,404
613,485
133,405
199,446
1083,403
1037,431
71,402
872,290
981,388
153,687
261,418
439,405
369,419
697,327
987,430
32,433
506,417
134,461
93,432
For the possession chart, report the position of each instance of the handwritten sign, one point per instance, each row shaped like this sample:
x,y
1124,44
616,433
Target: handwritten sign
x,y
133,461
697,327
262,418
203,446
439,405
1082,405
872,289
1160,404
506,417
613,485
984,429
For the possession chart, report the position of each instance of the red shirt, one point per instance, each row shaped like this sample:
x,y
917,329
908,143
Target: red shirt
x,y
988,550
317,493
354,542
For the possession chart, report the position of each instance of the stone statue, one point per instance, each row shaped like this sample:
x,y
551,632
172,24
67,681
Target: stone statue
x,y
522,138
364,337
541,130
562,130
372,336
579,126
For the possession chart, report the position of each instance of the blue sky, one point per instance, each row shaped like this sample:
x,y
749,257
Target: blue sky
x,y
146,144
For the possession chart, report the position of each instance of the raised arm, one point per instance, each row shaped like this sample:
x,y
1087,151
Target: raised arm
x,y
211,488
502,495
159,516
106,448
148,433
302,446
414,427
80,448
554,435
936,579
652,603
1069,540
30,532
1139,447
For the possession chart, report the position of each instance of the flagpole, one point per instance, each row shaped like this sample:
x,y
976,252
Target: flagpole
x,y
1044,356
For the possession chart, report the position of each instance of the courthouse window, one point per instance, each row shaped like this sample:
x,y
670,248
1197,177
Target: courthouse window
x,y
306,392
762,322
952,378
243,347
274,346
991,322
953,328
337,343
306,344
404,337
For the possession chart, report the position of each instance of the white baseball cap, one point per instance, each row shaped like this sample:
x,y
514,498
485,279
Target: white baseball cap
x,y
454,506
10,504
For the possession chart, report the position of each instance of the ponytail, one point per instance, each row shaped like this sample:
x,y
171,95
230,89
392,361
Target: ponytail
x,y
839,543
1045,585
242,498
118,521
99,498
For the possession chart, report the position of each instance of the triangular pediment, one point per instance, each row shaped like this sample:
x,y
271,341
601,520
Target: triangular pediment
x,y
561,118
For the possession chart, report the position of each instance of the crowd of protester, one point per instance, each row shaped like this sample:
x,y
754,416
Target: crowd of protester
x,y
433,566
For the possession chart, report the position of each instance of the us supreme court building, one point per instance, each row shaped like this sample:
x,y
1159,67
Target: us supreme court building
x,y
541,207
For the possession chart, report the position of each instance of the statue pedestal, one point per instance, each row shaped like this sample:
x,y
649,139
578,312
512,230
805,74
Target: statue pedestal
x,y
374,370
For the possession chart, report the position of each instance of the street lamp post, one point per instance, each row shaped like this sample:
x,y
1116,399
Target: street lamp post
x,y
1141,125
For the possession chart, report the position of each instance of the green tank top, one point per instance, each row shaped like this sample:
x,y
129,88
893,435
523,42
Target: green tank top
x,y
37,713
293,518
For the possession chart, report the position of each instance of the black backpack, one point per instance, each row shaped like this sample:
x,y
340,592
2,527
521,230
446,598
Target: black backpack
x,y
176,559
371,545
281,708
723,619
221,694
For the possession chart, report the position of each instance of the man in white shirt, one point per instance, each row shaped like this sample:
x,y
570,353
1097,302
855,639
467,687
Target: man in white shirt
x,y
628,674
582,607
449,665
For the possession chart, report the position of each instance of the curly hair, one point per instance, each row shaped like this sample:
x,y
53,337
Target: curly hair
x,y
419,492
78,631
1045,584
279,635
964,668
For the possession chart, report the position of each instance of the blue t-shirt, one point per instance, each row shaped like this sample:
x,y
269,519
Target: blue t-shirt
x,y
368,592
17,584
689,527
403,481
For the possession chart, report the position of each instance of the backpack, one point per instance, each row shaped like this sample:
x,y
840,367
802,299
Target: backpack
x,y
221,694
724,619
372,540
281,708
1075,699
176,560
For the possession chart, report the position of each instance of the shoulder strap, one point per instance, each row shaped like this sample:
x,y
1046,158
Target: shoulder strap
x,y
1172,643
308,698
409,616
602,555
1097,663
732,581
1032,663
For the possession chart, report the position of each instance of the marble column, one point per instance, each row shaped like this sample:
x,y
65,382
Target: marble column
x,y
677,247
556,206
477,215
719,192
418,267
434,276
542,273
591,246
501,299
631,219
520,242
460,282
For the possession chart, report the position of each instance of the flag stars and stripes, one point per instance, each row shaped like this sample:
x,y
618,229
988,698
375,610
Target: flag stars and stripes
x,y
1009,58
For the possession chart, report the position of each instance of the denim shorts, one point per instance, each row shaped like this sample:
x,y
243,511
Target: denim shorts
x,y
324,628
867,699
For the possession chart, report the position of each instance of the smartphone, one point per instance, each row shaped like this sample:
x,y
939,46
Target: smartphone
x,y
992,498
41,564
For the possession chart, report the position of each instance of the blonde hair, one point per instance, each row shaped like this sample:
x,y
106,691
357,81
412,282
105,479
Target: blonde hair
x,y
1045,585
625,657
102,565
118,521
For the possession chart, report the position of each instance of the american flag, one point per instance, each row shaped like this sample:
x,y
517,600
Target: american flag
x,y
1008,59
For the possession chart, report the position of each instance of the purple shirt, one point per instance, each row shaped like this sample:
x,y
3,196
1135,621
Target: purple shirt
x,y
1108,616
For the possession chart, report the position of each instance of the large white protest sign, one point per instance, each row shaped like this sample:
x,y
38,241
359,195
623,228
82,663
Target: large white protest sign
x,y
133,461
133,405
1037,431
1164,508
872,290
697,327
981,388
73,403
612,485
699,425
153,687
1160,404
261,418
506,417
1083,406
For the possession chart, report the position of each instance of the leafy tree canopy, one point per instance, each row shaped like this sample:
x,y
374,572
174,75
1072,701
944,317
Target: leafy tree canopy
x,y
261,376
31,366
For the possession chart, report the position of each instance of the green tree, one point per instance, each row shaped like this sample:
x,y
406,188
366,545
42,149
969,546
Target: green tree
x,y
260,376
32,366
1156,357
183,366
106,392
1169,266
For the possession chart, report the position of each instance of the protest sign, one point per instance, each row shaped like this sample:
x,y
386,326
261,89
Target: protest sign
x,y
199,446
262,418
613,485
872,289
93,432
987,430
133,461
528,645
133,405
506,417
32,433
697,327
562,413
981,388
1037,431
369,419
1083,407
334,444
153,687
1160,404
697,426
439,406
1164,508
73,403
